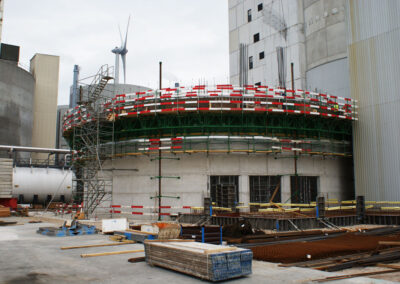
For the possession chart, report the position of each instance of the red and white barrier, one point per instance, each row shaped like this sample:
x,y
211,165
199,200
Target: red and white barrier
x,y
118,209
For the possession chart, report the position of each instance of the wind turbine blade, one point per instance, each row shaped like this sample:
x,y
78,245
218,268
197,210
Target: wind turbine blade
x,y
123,57
127,28
120,35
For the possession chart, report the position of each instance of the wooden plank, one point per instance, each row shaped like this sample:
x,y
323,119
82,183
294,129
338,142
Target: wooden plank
x,y
99,245
111,253
338,277
393,266
389,243
275,192
141,232
208,251
136,259
168,241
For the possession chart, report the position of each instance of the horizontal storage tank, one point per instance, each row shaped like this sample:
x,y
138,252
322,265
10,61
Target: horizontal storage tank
x,y
38,185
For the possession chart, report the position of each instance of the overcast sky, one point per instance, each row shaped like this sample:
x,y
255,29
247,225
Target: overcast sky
x,y
190,37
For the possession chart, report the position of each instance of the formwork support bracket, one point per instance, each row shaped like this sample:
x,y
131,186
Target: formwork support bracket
x,y
158,177
164,196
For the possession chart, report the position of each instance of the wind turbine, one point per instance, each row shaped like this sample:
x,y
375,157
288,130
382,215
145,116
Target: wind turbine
x,y
121,51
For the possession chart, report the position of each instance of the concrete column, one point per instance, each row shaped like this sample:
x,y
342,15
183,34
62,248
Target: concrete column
x,y
285,188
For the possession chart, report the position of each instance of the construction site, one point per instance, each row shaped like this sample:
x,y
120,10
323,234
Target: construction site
x,y
266,178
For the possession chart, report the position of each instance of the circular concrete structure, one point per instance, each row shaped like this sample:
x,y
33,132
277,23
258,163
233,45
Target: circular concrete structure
x,y
244,140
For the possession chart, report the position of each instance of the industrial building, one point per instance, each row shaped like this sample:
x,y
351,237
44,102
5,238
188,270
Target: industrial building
x,y
28,116
310,34
16,99
373,38
330,44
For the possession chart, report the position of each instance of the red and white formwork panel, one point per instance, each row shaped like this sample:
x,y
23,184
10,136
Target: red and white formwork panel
x,y
221,98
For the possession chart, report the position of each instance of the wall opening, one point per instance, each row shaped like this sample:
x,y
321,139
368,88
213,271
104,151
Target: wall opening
x,y
249,15
263,187
224,190
256,37
303,189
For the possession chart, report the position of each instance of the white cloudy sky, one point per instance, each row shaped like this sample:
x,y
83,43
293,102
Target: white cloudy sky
x,y
190,37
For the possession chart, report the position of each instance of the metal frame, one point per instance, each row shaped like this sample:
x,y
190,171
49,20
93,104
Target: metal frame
x,y
91,185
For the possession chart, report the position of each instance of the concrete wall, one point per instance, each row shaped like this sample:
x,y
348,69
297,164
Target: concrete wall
x,y
1,16
332,77
45,69
326,47
135,187
374,36
16,105
289,12
315,43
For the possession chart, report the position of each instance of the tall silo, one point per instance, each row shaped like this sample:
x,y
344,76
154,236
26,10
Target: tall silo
x,y
374,37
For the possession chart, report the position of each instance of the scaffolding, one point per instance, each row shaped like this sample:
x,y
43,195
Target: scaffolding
x,y
228,119
92,186
215,119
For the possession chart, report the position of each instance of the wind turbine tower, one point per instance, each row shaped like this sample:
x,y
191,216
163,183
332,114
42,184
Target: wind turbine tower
x,y
121,51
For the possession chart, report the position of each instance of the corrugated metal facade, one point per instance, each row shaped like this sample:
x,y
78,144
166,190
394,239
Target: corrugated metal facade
x,y
6,173
374,60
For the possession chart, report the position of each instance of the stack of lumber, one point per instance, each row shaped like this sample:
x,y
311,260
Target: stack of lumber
x,y
4,211
206,261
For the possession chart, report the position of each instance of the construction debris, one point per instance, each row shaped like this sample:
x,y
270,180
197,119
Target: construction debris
x,y
206,261
136,236
74,229
347,276
289,251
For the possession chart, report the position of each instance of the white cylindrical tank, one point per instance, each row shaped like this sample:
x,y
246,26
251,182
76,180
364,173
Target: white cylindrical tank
x,y
44,183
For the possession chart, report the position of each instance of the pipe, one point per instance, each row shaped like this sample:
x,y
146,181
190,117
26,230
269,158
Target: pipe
x,y
34,149
159,159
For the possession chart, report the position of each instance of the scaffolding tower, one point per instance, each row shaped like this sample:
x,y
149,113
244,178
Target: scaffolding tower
x,y
92,185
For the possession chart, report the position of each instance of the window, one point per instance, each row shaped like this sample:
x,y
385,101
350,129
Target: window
x,y
251,62
256,37
224,190
20,198
261,55
260,6
303,189
258,84
35,199
249,15
62,198
263,187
